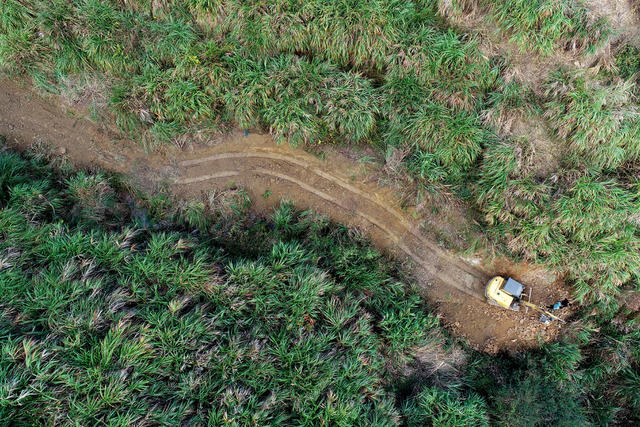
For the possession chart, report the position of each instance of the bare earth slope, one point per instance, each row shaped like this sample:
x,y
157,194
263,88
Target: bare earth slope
x,y
331,187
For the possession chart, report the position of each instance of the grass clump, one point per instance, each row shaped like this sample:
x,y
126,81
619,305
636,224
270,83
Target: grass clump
x,y
598,119
302,101
512,104
445,141
627,61
540,26
588,372
446,408
545,26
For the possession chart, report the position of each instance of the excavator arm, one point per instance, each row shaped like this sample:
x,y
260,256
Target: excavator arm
x,y
541,310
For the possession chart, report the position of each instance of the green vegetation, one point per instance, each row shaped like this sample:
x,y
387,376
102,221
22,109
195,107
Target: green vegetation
x,y
548,25
597,118
394,74
147,320
583,218
388,73
628,61
118,308
261,67
582,224
585,379
540,26
121,309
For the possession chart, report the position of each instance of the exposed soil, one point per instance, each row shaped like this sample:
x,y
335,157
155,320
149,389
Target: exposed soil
x,y
622,16
335,186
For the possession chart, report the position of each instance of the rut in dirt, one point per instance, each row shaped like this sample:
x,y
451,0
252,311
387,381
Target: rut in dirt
x,y
305,175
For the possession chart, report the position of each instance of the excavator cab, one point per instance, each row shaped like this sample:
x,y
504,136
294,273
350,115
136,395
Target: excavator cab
x,y
504,292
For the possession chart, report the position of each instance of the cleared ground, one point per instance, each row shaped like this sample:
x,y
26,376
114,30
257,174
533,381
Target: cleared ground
x,y
334,187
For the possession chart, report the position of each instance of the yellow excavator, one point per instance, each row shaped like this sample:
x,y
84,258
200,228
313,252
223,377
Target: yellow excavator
x,y
507,293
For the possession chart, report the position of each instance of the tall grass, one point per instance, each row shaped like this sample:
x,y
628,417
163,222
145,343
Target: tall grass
x,y
599,119
445,140
198,313
540,26
388,73
303,70
302,101
627,61
545,26
580,223
203,316
511,104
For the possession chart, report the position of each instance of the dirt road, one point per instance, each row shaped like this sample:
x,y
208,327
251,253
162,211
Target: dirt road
x,y
334,186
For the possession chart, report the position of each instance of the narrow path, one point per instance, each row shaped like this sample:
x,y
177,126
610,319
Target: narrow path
x,y
335,187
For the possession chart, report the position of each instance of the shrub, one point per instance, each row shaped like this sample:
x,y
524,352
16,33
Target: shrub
x,y
547,25
598,120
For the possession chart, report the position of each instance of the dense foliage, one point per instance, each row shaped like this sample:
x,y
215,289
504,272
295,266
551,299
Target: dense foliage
x,y
123,310
112,314
116,309
308,71
548,25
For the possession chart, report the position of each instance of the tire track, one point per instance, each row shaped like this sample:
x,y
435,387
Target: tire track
x,y
344,184
436,251
465,281
201,178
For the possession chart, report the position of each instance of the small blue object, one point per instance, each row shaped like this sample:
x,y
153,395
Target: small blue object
x,y
246,133
557,305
